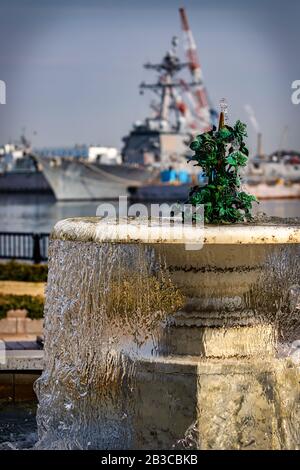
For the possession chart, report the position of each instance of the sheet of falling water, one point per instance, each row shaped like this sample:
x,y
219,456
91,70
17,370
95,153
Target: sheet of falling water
x,y
106,305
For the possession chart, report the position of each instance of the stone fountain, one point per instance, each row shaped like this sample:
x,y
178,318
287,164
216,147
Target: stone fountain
x,y
149,345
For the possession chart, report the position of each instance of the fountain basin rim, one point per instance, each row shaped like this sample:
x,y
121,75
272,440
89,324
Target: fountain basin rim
x,y
129,230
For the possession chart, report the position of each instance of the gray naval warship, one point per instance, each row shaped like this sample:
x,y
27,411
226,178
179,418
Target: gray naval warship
x,y
19,171
152,164
158,144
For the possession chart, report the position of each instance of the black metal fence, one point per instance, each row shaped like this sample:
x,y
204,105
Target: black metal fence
x,y
24,246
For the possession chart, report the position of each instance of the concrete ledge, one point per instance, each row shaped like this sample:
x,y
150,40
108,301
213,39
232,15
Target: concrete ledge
x,y
130,230
19,360
215,405
18,374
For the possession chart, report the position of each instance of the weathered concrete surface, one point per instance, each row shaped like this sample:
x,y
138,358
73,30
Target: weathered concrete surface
x,y
218,320
130,230
217,404
23,360
257,340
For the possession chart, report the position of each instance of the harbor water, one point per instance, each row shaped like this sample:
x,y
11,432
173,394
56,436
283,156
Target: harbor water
x,y
39,213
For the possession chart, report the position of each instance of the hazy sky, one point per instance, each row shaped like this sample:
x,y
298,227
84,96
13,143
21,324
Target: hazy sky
x,y
72,68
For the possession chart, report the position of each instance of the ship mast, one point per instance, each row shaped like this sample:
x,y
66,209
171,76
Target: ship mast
x,y
172,113
166,88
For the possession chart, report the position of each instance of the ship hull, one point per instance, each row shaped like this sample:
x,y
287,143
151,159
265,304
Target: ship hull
x,y
262,191
265,191
24,182
160,192
78,180
75,179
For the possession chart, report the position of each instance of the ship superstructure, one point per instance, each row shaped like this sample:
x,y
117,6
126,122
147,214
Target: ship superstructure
x,y
180,110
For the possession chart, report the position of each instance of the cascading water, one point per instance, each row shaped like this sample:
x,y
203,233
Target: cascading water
x,y
123,366
104,306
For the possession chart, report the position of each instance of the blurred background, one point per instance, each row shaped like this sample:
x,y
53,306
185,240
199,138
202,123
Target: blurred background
x,y
102,99
75,128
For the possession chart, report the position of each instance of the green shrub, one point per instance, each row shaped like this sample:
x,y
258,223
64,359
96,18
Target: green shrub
x,y
220,153
14,271
33,304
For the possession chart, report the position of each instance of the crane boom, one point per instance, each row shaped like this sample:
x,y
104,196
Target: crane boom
x,y
202,106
